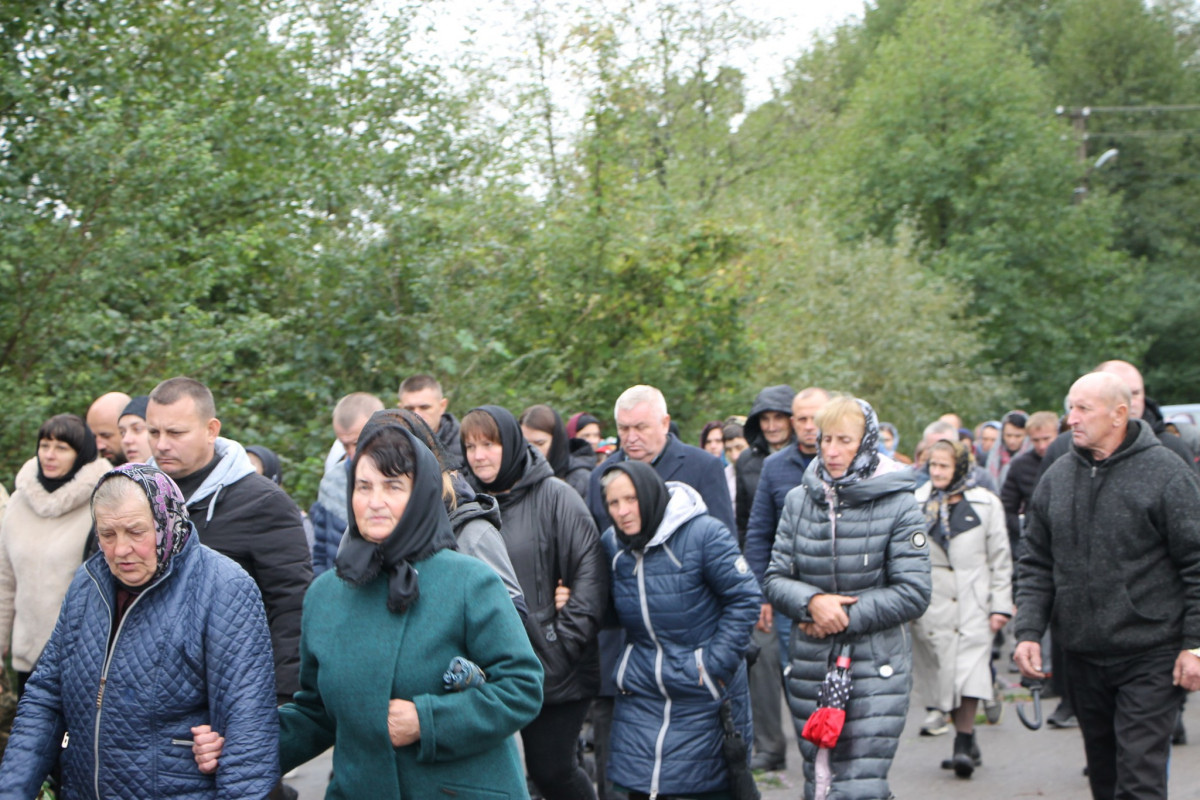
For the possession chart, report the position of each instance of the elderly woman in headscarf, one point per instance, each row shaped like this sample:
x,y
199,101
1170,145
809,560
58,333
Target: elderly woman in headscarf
x,y
850,566
411,605
687,601
158,635
44,536
972,595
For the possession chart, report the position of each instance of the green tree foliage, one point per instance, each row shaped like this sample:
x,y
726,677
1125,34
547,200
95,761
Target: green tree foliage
x,y
949,129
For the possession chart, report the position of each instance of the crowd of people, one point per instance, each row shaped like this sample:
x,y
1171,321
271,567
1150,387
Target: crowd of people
x,y
639,611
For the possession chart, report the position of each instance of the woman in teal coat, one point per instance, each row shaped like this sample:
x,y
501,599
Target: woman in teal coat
x,y
379,634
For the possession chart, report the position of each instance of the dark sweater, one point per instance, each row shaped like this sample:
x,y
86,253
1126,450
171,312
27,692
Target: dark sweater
x,y
1112,552
1017,491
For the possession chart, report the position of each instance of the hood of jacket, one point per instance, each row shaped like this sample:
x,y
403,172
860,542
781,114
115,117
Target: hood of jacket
x,y
474,505
1152,416
685,504
69,497
889,477
233,465
773,398
582,454
1139,436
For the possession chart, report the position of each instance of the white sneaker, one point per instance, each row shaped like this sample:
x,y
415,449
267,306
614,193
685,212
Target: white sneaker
x,y
935,724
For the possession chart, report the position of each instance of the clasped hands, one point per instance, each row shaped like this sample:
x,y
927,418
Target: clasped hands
x,y
828,612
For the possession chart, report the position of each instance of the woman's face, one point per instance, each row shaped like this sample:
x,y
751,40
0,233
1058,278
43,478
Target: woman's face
x,y
941,467
621,499
135,439
590,433
987,438
715,443
56,457
127,538
885,436
734,448
484,457
379,500
539,439
839,446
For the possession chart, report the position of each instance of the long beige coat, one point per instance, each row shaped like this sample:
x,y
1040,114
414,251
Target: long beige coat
x,y
42,538
952,642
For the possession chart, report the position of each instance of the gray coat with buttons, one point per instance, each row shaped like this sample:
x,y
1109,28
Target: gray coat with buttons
x,y
871,545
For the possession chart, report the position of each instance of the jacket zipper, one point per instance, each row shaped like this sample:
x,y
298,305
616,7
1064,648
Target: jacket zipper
x,y
104,672
705,678
656,773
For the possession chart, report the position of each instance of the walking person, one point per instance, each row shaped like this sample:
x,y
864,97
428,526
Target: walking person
x,y
686,599
552,541
971,569
850,566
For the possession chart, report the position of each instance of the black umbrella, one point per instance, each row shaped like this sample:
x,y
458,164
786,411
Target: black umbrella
x,y
741,781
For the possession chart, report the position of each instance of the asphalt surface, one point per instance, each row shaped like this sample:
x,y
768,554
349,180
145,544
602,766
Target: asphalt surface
x,y
1017,763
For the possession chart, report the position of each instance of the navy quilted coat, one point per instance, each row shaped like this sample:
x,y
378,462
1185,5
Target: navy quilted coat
x,y
193,648
687,604
879,555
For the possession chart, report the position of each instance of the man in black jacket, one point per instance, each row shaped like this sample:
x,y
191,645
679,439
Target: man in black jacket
x,y
1023,471
1112,545
422,395
236,511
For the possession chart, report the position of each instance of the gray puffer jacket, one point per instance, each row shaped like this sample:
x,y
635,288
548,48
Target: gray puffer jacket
x,y
878,553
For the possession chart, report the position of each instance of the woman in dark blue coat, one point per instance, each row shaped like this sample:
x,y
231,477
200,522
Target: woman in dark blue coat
x,y
687,601
158,634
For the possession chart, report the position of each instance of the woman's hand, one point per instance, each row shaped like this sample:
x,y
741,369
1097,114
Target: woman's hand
x,y
561,595
404,726
828,613
997,621
206,747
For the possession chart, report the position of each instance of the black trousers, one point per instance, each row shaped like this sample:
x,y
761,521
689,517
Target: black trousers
x,y
1126,712
551,745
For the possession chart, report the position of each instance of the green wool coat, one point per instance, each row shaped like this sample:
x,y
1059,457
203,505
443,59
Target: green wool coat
x,y
355,655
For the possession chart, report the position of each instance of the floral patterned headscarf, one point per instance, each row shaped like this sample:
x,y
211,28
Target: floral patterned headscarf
x,y
937,507
172,525
866,461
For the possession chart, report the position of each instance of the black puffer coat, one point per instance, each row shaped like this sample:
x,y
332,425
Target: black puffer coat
x,y
749,465
550,536
881,556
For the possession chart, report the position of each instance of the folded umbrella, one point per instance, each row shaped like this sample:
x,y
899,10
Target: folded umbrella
x,y
463,674
825,724
741,781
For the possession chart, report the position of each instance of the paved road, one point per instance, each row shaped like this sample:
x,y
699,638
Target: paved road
x,y
1017,763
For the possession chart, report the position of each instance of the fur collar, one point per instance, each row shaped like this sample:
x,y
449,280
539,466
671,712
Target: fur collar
x,y
69,497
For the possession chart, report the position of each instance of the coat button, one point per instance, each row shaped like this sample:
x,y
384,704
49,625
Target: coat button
x,y
886,671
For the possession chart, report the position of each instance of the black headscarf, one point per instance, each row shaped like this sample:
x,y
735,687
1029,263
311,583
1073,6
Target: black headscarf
x,y
578,422
652,495
137,406
72,430
423,528
271,465
560,447
515,450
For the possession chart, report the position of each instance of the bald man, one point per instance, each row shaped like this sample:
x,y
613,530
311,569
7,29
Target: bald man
x,y
102,418
1112,544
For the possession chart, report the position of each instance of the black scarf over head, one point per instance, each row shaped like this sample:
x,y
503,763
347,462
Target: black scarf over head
x,y
560,448
85,453
652,495
423,529
515,448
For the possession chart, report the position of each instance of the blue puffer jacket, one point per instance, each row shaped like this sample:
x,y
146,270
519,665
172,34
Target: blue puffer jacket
x,y
193,648
687,604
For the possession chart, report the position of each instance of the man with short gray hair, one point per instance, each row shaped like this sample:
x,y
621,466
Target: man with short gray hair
x,y
1112,547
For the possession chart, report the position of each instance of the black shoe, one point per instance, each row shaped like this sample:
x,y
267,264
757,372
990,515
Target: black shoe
x,y
1062,717
768,763
1179,736
976,758
963,759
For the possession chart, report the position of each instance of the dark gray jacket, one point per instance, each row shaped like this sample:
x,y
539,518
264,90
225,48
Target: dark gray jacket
x,y
1112,552
476,524
550,537
880,555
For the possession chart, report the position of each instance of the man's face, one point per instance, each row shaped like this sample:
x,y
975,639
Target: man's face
x,y
1013,437
987,438
734,448
642,432
349,436
1041,438
776,428
1092,421
428,404
1137,387
182,442
135,439
108,437
804,421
